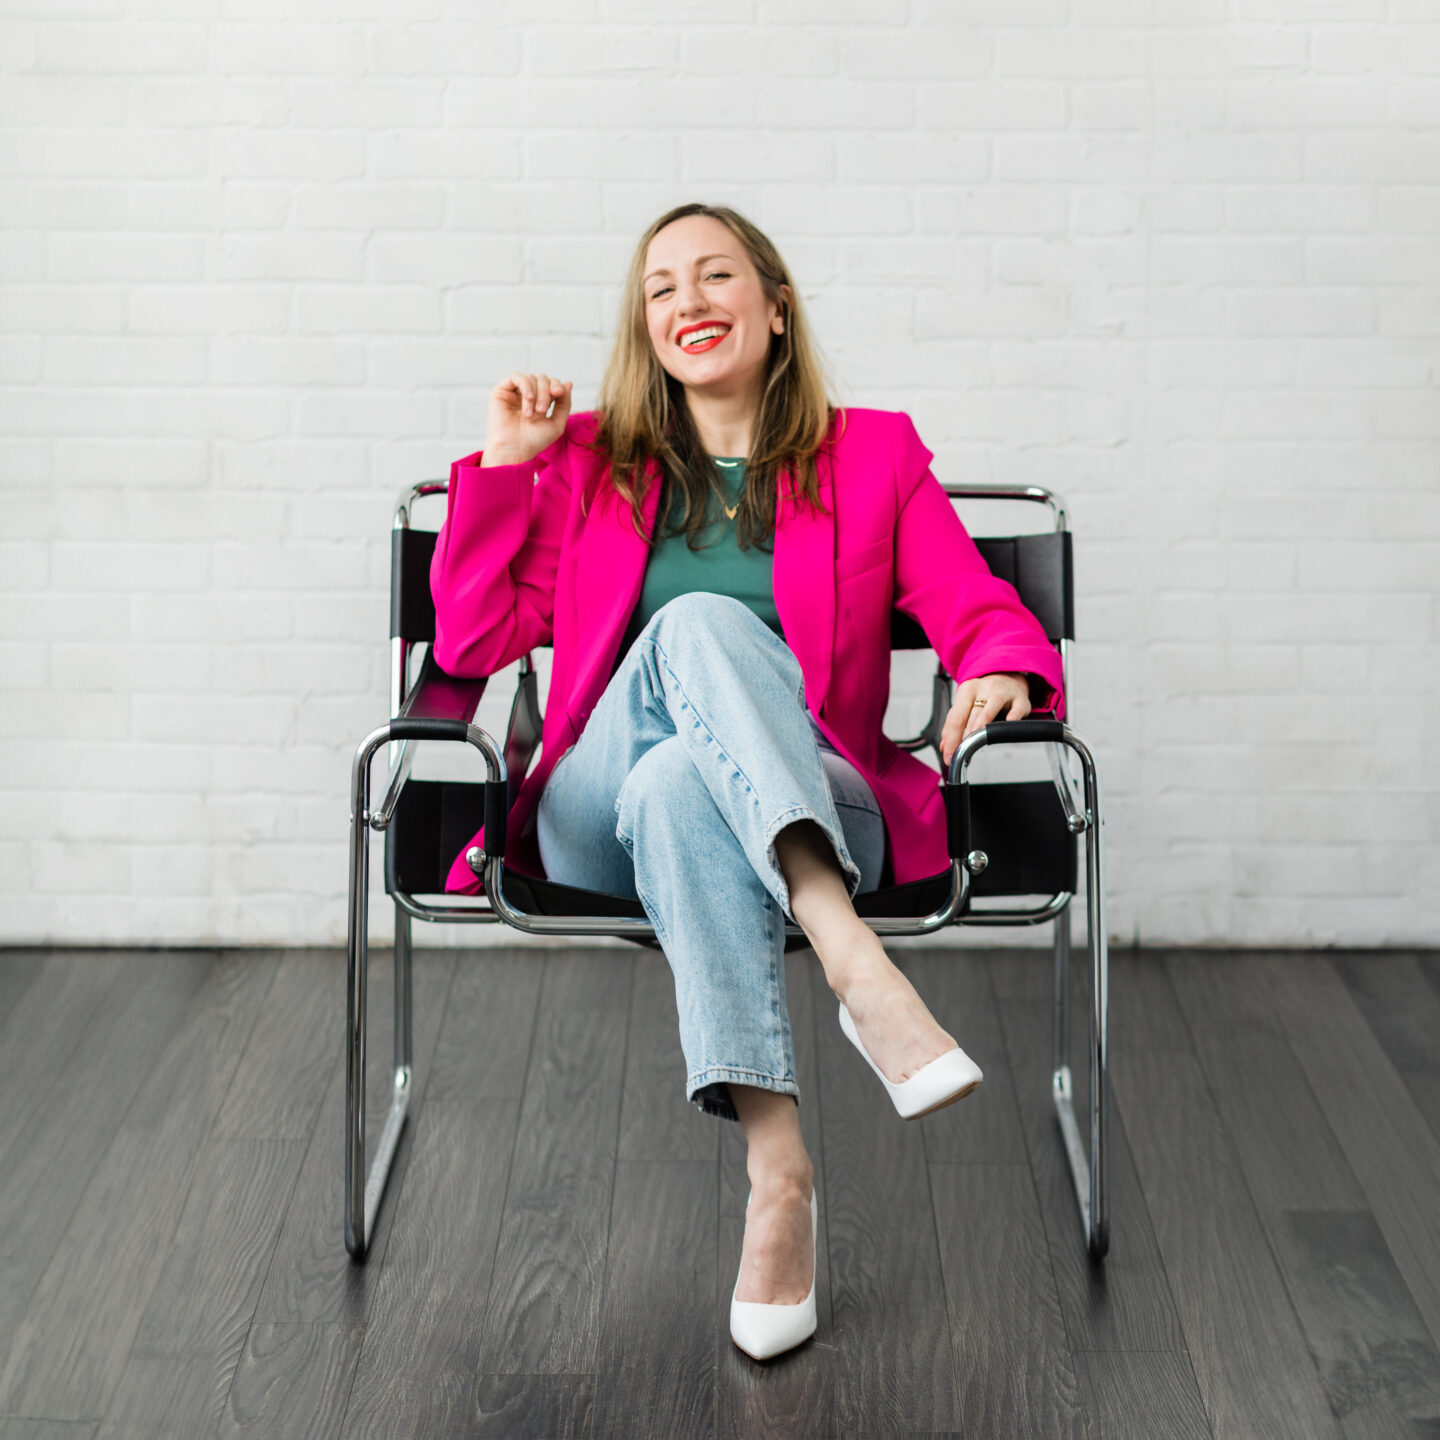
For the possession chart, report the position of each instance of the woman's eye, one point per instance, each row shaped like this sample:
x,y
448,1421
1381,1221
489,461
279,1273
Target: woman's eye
x,y
660,292
718,275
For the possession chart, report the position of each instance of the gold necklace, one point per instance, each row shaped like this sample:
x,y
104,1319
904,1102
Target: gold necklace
x,y
730,511
728,465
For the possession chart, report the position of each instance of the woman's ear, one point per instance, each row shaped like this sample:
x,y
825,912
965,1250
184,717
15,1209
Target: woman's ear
x,y
777,322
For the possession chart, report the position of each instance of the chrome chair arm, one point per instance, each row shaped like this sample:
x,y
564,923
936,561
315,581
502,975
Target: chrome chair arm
x,y
1075,820
434,696
1056,734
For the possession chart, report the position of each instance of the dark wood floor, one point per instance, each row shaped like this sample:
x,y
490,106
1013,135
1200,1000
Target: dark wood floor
x,y
556,1253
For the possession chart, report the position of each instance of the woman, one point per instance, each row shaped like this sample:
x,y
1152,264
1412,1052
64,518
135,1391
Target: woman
x,y
713,741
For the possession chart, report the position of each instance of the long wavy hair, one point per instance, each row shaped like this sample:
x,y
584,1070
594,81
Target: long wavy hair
x,y
643,413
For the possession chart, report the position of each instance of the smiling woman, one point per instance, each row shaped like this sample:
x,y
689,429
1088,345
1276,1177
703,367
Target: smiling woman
x,y
713,741
713,357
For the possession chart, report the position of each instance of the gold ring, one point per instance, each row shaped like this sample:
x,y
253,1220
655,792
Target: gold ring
x,y
979,704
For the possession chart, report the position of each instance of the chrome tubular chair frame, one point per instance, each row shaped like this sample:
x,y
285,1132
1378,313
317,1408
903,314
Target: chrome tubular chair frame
x,y
362,1198
642,929
437,707
1090,1174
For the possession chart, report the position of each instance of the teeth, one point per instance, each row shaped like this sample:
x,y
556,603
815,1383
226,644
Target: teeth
x,y
710,331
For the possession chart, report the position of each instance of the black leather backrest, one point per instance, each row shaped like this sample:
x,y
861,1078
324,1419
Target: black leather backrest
x,y
1038,566
412,610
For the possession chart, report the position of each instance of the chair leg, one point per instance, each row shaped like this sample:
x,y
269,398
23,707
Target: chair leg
x,y
363,1192
1089,1173
1060,1047
1061,1084
400,1082
404,1023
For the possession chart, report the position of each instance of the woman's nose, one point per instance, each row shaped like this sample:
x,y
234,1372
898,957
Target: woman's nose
x,y
691,297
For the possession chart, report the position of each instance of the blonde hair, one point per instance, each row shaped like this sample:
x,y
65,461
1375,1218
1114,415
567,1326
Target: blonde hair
x,y
643,414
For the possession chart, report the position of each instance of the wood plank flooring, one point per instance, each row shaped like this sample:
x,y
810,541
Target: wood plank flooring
x,y
556,1251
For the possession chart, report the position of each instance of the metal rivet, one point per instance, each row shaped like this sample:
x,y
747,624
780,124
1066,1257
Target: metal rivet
x,y
1078,824
976,861
475,859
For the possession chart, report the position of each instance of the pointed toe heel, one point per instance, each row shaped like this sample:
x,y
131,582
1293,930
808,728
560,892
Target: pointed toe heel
x,y
946,1079
763,1331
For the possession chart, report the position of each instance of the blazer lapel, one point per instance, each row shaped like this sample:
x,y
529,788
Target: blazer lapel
x,y
804,579
609,574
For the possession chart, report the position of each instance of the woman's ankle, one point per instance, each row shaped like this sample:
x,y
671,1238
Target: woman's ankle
x,y
781,1175
775,1152
861,962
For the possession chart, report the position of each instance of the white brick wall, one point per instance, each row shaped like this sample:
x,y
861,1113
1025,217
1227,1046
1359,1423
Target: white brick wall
x,y
262,263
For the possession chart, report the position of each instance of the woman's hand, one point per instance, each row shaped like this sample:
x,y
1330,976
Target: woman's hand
x,y
521,424
978,703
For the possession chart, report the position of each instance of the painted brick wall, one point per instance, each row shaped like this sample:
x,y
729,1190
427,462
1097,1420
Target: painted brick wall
x,y
263,261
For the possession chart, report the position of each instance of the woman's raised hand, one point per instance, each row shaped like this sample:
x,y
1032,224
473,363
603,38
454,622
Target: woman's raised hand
x,y
521,420
977,703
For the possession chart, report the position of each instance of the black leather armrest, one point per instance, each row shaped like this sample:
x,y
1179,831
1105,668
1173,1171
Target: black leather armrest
x,y
438,696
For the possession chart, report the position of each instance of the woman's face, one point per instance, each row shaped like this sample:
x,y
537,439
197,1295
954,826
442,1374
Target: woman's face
x,y
705,308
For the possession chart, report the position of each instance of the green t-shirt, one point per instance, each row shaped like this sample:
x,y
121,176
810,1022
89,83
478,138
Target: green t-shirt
x,y
722,567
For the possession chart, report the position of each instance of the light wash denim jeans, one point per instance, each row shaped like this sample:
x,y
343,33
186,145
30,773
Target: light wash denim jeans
x,y
698,753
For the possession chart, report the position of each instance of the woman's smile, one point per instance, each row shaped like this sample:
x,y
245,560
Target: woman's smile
x,y
694,339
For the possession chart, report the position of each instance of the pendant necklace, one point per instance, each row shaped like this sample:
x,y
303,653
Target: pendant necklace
x,y
728,465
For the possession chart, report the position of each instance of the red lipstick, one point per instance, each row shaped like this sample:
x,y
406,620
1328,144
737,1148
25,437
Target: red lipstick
x,y
703,345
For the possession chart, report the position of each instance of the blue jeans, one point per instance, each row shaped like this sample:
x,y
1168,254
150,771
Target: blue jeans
x,y
698,753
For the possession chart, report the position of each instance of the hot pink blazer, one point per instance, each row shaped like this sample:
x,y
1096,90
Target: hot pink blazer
x,y
518,565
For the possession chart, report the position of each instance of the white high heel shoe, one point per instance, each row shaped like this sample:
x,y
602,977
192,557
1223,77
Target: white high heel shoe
x,y
946,1079
765,1330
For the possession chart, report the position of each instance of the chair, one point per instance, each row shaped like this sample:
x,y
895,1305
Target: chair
x,y
1006,840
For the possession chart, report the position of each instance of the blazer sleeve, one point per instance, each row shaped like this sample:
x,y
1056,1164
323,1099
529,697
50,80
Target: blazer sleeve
x,y
975,621
496,559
